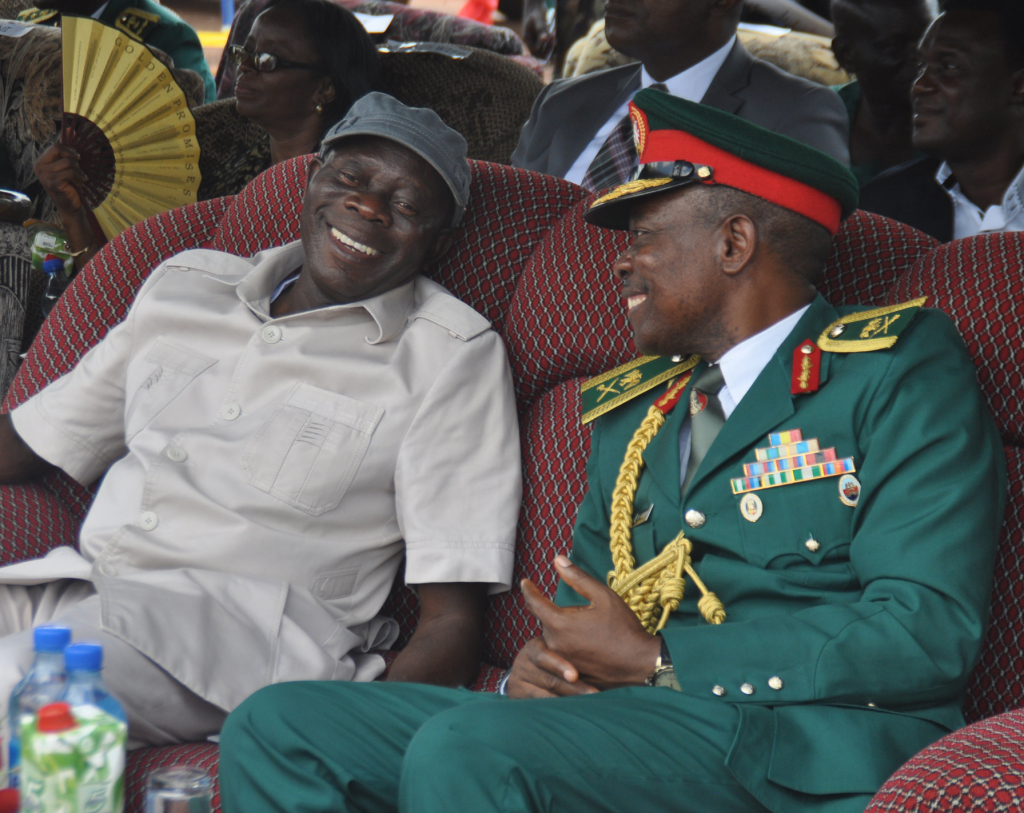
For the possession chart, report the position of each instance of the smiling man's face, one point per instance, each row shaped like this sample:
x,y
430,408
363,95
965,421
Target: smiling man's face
x,y
373,216
671,283
962,98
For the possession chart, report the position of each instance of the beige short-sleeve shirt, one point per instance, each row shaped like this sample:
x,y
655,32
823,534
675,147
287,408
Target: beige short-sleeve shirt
x,y
310,451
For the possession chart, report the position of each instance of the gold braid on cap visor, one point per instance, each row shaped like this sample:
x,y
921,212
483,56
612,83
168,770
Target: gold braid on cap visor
x,y
660,582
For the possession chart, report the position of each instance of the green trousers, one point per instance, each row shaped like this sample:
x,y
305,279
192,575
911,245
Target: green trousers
x,y
374,747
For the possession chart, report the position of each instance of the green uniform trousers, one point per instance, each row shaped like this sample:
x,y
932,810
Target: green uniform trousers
x,y
333,746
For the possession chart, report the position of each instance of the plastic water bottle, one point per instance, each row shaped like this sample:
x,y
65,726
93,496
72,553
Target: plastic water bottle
x,y
85,686
43,685
56,283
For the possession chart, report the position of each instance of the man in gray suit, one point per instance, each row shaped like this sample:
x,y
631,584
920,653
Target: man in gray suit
x,y
579,128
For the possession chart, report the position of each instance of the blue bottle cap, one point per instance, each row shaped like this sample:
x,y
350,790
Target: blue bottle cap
x,y
84,657
53,267
51,638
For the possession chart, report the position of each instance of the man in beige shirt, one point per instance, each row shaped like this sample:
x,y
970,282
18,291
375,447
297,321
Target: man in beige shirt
x,y
274,434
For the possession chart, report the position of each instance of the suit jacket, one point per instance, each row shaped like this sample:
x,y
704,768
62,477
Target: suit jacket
x,y
874,630
909,193
568,113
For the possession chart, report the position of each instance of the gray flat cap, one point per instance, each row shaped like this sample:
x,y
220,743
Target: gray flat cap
x,y
418,128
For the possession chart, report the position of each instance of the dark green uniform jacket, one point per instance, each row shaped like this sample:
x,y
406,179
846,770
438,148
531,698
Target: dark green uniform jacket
x,y
873,631
152,24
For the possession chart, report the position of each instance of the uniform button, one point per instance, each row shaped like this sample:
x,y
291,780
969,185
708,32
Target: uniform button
x,y
271,334
747,688
812,545
148,520
106,569
230,411
837,331
718,691
176,453
694,518
871,705
775,682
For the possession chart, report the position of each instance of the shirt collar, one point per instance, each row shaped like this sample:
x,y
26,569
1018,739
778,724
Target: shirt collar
x,y
1013,199
389,310
743,363
694,82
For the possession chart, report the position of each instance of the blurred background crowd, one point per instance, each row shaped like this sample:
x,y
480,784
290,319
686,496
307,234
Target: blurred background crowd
x,y
926,109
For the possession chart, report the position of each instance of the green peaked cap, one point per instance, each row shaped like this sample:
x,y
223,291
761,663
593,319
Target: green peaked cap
x,y
747,141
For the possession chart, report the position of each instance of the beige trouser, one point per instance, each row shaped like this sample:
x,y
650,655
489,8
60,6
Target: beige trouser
x,y
160,710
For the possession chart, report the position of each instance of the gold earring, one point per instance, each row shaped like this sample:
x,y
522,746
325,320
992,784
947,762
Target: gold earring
x,y
319,109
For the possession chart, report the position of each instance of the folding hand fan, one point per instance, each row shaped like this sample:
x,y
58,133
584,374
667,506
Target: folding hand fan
x,y
130,124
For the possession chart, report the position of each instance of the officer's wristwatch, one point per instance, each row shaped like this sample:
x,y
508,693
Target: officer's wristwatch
x,y
664,673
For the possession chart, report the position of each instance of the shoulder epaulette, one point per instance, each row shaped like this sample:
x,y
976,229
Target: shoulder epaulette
x,y
876,329
136,23
614,388
35,16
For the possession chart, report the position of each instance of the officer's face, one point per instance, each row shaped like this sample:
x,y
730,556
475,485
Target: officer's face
x,y
372,217
966,99
671,283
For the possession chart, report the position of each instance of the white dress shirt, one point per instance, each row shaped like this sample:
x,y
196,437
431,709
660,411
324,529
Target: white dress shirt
x,y
691,84
264,477
968,217
740,368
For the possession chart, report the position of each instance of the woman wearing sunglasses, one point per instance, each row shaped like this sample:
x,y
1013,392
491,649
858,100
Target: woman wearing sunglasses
x,y
303,65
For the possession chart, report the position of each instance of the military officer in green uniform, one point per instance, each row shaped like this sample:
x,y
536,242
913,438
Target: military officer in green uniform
x,y
144,20
780,573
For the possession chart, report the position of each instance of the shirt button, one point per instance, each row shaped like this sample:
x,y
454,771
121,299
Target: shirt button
x,y
694,518
775,682
106,569
812,545
747,688
176,453
271,334
718,691
148,520
230,411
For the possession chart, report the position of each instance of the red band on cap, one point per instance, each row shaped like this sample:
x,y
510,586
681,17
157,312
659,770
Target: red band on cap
x,y
730,170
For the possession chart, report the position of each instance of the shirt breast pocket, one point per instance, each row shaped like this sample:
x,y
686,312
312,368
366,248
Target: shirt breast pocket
x,y
801,525
168,370
308,451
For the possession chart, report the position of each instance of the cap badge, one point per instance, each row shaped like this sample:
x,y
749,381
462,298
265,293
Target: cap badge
x,y
640,128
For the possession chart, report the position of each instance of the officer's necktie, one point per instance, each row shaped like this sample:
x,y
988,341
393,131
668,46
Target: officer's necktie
x,y
617,156
706,418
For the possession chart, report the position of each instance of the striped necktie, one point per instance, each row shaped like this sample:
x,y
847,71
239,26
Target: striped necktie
x,y
706,418
617,156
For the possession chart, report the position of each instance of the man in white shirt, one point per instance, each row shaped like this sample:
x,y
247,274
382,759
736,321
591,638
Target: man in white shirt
x,y
274,435
689,49
969,118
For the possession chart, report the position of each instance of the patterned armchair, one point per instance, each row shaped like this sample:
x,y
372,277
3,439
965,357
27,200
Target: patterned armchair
x,y
527,261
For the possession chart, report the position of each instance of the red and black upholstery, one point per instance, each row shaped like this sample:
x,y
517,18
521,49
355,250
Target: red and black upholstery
x,y
978,282
526,260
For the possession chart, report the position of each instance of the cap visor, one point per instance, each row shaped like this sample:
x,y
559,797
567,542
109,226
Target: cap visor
x,y
612,210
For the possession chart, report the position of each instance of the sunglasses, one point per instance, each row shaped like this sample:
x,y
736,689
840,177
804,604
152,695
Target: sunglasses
x,y
677,170
263,63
